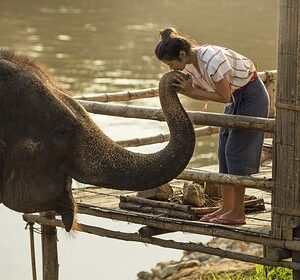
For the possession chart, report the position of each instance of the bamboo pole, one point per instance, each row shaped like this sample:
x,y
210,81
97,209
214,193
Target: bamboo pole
x,y
179,207
185,226
286,172
32,251
278,254
157,210
120,96
210,177
206,210
270,86
198,118
286,211
155,203
267,75
151,231
49,249
160,138
195,247
171,209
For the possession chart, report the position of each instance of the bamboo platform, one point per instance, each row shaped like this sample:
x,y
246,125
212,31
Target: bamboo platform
x,y
104,202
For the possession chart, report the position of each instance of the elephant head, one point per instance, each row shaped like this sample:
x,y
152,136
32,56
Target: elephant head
x,y
47,138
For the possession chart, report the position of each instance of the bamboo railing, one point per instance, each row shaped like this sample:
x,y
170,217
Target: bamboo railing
x,y
160,138
210,177
196,247
198,118
120,96
150,92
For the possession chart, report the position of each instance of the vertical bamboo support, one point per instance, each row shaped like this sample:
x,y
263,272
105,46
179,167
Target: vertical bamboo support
x,y
270,86
286,169
32,251
49,251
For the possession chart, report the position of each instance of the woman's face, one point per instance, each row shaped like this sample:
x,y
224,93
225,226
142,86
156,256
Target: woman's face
x,y
178,64
175,64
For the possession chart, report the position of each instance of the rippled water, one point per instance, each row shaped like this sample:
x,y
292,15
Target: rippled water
x,y
105,45
101,45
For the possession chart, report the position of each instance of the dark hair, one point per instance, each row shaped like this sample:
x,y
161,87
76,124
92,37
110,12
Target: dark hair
x,y
172,42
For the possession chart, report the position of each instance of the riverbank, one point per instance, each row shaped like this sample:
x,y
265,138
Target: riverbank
x,y
194,265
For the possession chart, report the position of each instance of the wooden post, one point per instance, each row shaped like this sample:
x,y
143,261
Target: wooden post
x,y
270,86
286,172
49,250
32,251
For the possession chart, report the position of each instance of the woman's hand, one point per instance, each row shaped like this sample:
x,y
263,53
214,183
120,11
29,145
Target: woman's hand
x,y
184,85
221,94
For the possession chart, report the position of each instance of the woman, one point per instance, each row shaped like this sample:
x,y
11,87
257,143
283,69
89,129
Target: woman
x,y
222,75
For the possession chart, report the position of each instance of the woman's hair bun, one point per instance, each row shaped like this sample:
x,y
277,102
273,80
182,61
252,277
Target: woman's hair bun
x,y
166,33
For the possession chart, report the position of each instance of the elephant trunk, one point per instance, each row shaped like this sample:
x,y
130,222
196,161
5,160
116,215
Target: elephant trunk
x,y
109,165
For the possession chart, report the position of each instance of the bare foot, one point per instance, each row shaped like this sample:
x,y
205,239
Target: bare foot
x,y
230,218
213,215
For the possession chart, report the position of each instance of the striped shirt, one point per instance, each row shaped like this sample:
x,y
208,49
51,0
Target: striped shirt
x,y
215,63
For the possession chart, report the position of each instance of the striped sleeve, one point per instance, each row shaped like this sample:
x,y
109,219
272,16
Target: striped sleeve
x,y
218,66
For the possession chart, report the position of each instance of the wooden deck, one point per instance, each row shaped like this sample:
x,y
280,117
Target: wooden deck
x,y
103,202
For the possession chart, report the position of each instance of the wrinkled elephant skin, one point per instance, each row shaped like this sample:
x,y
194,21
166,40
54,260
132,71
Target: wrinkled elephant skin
x,y
47,138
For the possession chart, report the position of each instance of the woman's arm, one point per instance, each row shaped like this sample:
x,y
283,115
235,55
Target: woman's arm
x,y
222,93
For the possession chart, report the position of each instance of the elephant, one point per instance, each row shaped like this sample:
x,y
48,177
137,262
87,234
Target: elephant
x,y
47,139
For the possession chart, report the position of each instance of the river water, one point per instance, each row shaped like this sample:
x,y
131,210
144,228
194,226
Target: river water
x,y
106,46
